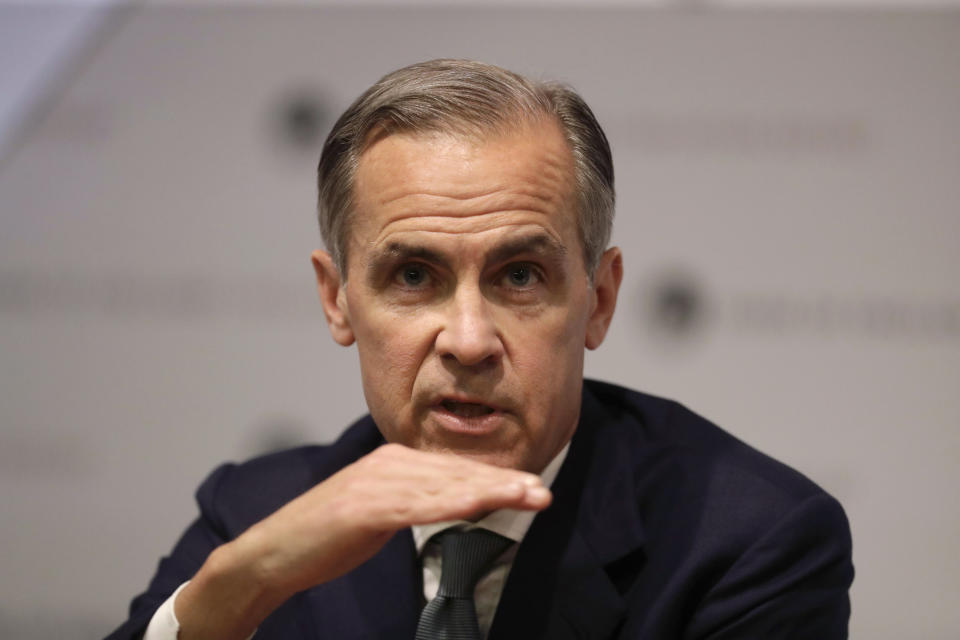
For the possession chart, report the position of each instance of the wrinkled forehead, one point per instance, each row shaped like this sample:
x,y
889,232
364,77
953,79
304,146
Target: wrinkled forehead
x,y
527,169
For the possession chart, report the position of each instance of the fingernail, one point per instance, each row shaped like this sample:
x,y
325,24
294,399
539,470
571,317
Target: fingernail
x,y
538,494
531,480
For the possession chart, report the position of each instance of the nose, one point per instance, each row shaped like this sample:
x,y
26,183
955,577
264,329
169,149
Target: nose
x,y
469,333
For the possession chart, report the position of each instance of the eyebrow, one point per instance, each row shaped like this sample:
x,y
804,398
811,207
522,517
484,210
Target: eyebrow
x,y
539,244
396,252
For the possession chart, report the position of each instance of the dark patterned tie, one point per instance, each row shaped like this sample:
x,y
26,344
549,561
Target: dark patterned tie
x,y
466,556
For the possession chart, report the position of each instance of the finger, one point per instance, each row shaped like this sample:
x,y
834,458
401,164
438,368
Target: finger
x,y
516,497
452,468
468,501
395,487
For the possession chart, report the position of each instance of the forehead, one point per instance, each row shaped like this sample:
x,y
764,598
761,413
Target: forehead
x,y
451,184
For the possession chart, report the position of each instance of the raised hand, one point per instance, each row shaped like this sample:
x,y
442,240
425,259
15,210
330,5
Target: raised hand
x,y
338,525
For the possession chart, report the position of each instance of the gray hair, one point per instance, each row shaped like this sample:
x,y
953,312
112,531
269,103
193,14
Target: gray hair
x,y
471,99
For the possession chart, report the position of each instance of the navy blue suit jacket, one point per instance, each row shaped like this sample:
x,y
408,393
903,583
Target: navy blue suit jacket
x,y
662,526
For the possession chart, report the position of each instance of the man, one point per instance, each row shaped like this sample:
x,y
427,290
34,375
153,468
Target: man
x,y
467,213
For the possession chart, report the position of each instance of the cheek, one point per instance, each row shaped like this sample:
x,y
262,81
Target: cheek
x,y
548,351
391,351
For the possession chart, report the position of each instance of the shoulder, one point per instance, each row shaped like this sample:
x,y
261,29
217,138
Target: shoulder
x,y
667,434
688,472
740,543
236,495
738,540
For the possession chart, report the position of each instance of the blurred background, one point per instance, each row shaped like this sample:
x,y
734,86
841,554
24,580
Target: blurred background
x,y
788,177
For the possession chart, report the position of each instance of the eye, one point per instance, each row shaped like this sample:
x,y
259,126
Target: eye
x,y
412,275
521,275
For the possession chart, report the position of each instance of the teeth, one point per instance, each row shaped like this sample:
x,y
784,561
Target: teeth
x,y
466,409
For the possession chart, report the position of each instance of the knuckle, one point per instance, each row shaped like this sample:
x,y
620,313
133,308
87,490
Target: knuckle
x,y
400,512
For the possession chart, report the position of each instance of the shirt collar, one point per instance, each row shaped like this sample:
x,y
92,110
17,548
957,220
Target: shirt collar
x,y
510,523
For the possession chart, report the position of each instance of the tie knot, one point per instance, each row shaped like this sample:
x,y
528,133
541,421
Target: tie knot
x,y
466,555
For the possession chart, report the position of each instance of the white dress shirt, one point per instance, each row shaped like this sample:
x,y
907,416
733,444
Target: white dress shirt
x,y
509,523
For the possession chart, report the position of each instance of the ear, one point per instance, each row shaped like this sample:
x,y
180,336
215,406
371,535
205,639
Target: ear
x,y
333,297
606,285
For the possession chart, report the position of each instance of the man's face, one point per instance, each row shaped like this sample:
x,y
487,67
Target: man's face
x,y
467,293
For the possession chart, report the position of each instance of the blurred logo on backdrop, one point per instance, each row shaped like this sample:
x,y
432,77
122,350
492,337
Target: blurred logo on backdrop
x,y
299,121
674,305
677,306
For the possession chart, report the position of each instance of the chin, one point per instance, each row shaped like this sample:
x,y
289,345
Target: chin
x,y
497,459
504,459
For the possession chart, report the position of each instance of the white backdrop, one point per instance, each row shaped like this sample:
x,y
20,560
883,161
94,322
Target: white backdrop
x,y
788,187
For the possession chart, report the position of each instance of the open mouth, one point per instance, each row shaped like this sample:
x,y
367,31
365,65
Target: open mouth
x,y
466,409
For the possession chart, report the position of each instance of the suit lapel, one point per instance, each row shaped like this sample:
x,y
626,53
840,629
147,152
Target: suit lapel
x,y
564,581
379,599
